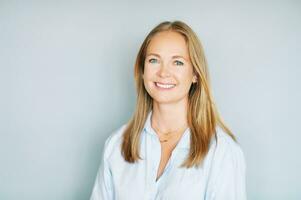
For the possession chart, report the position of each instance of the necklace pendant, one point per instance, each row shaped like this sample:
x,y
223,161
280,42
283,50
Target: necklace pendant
x,y
163,140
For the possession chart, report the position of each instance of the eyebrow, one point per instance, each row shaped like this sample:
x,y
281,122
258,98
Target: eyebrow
x,y
157,55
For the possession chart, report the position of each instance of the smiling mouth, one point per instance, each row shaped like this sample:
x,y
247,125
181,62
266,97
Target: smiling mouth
x,y
165,85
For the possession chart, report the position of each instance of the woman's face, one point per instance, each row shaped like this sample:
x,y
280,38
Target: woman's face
x,y
168,72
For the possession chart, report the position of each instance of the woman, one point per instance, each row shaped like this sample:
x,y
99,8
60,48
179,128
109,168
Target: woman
x,y
176,145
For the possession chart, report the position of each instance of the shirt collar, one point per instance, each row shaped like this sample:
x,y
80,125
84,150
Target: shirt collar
x,y
184,142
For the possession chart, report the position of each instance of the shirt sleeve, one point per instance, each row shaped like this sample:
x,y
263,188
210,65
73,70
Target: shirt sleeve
x,y
103,186
228,174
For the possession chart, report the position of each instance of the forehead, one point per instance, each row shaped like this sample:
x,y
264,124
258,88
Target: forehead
x,y
168,42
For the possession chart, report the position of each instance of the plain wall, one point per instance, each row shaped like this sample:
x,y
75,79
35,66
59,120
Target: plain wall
x,y
66,80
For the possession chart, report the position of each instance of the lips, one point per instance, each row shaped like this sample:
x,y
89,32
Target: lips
x,y
165,85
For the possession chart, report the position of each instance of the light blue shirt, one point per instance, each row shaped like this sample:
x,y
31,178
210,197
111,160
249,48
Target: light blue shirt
x,y
220,177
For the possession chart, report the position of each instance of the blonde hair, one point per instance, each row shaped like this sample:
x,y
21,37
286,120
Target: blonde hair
x,y
202,114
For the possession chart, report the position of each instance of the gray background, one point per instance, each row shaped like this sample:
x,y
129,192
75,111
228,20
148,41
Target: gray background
x,y
66,83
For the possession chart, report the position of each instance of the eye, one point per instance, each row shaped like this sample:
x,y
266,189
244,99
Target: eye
x,y
179,62
152,60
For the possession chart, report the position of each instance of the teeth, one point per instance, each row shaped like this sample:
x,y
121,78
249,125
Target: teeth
x,y
165,85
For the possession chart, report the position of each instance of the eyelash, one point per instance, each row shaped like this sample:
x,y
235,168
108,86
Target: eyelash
x,y
151,60
181,63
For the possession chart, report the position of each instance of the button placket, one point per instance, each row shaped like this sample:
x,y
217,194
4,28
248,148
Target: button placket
x,y
157,157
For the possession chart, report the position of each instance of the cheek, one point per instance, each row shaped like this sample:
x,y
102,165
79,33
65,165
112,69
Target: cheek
x,y
185,77
148,74
147,80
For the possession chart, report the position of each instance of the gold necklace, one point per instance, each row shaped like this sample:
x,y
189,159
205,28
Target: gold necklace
x,y
167,133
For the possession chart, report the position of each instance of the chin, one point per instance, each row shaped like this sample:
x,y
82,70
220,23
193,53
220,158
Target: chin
x,y
165,100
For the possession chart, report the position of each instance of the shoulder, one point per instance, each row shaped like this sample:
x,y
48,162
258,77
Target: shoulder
x,y
228,169
113,141
226,150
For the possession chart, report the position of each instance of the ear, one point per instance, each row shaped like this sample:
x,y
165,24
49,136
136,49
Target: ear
x,y
194,79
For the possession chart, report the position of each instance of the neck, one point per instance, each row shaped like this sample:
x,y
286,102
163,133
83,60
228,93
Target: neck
x,y
170,117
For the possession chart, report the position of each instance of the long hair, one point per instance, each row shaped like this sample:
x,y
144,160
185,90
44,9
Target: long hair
x,y
202,115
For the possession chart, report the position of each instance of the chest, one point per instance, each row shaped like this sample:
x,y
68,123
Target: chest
x,y
166,151
138,181
157,175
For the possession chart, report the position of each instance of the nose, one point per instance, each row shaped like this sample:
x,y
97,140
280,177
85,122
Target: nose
x,y
163,71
